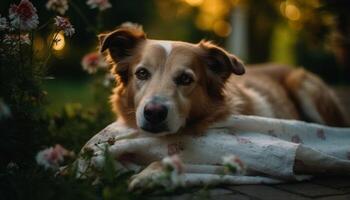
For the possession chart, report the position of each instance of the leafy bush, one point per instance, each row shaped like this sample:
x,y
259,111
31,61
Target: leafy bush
x,y
27,126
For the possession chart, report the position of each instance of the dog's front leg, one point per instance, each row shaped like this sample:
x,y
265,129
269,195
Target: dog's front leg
x,y
194,175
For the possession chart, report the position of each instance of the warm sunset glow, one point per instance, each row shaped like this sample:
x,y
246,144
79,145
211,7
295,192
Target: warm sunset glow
x,y
215,8
222,28
292,12
214,11
235,2
194,2
38,43
204,22
283,8
60,42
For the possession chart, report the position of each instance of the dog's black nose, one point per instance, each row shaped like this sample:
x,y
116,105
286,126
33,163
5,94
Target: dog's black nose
x,y
155,113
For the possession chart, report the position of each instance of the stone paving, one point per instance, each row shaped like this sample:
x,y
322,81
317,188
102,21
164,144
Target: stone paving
x,y
326,188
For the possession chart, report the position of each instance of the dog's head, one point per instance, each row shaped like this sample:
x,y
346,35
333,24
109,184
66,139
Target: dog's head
x,y
166,85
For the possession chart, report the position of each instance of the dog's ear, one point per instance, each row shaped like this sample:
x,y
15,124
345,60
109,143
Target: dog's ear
x,y
220,62
121,44
122,41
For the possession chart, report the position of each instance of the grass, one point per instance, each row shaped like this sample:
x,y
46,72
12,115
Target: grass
x,y
63,91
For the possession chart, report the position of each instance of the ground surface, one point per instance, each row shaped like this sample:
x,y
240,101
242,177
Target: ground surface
x,y
325,188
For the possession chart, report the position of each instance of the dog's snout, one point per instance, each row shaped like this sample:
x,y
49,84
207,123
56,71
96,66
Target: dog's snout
x,y
155,112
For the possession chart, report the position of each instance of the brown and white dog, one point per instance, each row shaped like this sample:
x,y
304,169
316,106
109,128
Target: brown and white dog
x,y
167,86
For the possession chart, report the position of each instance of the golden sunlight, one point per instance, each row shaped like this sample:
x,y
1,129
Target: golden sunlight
x,y
60,42
38,43
222,28
194,2
204,21
292,12
235,2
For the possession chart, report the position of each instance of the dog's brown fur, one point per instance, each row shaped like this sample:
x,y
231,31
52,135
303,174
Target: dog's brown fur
x,y
269,90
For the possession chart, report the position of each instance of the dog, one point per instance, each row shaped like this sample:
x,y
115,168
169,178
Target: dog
x,y
165,87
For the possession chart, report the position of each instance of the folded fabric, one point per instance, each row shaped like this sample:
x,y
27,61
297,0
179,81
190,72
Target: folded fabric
x,y
272,150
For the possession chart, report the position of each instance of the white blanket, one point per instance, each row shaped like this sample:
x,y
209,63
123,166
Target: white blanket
x,y
272,150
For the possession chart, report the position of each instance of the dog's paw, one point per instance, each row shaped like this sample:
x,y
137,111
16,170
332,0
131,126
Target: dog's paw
x,y
147,178
158,175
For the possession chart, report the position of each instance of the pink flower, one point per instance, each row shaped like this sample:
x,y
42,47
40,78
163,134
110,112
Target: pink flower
x,y
60,6
11,42
3,23
63,24
23,16
233,164
13,39
52,157
92,62
100,4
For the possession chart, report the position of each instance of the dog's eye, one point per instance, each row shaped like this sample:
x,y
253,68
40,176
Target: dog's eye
x,y
142,74
184,79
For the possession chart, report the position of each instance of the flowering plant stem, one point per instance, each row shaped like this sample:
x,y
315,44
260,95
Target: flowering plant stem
x,y
31,47
20,47
44,68
99,21
81,14
44,25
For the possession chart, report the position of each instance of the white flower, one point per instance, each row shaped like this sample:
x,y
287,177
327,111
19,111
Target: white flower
x,y
100,4
60,6
12,166
23,16
174,169
108,80
233,164
173,163
3,23
52,157
5,111
91,62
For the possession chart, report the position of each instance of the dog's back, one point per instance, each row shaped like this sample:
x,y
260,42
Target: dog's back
x,y
284,92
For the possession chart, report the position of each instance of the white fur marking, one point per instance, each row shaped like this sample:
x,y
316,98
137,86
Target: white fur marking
x,y
307,103
260,104
166,45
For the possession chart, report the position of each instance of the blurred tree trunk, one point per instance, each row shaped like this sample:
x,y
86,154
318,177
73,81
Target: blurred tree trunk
x,y
252,27
238,39
340,38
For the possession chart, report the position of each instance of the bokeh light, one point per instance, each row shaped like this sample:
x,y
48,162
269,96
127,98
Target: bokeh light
x,y
222,28
60,42
39,46
292,12
194,2
213,15
235,2
204,22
